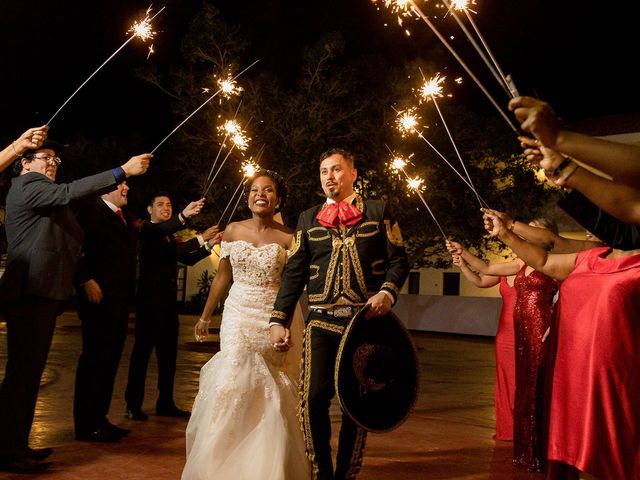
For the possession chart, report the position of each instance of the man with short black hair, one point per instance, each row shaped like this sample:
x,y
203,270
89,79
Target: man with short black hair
x,y
348,251
157,321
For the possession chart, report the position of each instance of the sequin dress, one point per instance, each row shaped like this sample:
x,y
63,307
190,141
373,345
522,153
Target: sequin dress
x,y
244,425
531,316
595,398
505,364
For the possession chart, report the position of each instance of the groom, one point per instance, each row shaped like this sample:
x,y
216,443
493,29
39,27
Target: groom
x,y
348,251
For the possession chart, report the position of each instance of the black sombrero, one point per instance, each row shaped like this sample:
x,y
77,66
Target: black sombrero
x,y
376,373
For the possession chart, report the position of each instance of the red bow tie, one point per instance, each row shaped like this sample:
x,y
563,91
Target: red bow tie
x,y
339,213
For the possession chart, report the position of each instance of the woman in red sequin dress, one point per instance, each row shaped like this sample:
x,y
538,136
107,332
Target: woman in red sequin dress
x,y
532,314
594,415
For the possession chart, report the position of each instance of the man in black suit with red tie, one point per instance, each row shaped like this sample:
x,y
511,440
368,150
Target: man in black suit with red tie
x,y
44,246
157,321
105,278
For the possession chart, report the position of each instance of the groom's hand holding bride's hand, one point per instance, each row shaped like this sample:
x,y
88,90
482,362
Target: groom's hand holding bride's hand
x,y
280,338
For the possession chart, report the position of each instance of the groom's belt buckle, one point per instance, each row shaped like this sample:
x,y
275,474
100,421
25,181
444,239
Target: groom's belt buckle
x,y
337,311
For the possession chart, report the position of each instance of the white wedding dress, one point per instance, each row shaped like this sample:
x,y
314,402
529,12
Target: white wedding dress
x,y
243,423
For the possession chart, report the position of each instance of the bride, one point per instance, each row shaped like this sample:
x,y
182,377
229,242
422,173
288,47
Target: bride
x,y
243,424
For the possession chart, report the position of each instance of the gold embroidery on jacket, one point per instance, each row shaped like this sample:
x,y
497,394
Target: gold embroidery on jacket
x,y
374,265
317,234
314,272
391,286
295,246
393,233
367,229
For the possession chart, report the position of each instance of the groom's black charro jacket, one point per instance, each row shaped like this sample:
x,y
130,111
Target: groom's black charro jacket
x,y
352,262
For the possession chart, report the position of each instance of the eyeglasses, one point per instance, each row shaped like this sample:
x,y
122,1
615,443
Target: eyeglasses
x,y
47,158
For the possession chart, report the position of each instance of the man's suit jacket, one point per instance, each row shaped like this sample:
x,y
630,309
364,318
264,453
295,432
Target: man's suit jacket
x,y
158,254
109,249
43,234
354,263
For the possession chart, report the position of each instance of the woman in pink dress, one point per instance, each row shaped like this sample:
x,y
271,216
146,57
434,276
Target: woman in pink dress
x,y
594,423
505,385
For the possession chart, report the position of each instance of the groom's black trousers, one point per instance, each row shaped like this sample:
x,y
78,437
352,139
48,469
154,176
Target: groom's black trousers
x,y
322,338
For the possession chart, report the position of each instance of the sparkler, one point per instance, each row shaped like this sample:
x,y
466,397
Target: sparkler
x,y
220,90
416,184
407,122
494,67
392,4
238,140
141,30
249,169
429,91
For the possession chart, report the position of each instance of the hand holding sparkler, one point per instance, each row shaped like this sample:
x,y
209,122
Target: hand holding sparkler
x,y
538,118
193,209
31,139
137,165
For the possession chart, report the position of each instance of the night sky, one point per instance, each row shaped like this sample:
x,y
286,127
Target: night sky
x,y
578,56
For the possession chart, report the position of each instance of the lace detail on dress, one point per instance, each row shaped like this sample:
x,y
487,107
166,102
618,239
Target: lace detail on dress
x,y
246,403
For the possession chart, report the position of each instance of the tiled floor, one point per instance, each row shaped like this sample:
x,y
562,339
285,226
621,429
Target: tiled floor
x,y
448,436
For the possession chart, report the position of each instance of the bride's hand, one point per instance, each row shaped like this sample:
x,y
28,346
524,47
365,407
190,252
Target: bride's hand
x,y
201,329
280,338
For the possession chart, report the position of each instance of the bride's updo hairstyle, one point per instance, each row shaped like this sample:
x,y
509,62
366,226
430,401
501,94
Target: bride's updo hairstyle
x,y
281,186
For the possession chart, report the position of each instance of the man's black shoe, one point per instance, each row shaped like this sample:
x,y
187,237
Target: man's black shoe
x,y
110,427
22,464
99,435
137,415
172,411
39,453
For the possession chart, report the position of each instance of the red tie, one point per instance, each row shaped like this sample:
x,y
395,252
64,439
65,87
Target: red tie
x,y
121,215
339,213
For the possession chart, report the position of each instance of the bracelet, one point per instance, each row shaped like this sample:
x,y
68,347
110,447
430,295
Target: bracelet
x,y
566,173
564,164
13,145
203,320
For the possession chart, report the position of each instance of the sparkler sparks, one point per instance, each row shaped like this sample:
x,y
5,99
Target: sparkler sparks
x,y
432,87
141,30
398,164
416,184
249,169
400,7
228,86
198,109
407,121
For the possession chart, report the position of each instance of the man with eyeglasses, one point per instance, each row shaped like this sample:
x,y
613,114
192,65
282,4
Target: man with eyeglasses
x,y
44,246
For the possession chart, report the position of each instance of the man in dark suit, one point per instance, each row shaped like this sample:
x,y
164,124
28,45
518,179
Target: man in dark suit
x,y
106,277
348,251
156,310
44,245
